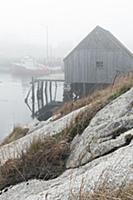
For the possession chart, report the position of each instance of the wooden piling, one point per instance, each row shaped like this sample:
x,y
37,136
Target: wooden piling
x,y
42,99
42,93
55,91
46,95
50,90
84,89
33,98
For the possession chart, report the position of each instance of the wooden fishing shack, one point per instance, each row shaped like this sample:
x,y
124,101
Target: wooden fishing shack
x,y
95,62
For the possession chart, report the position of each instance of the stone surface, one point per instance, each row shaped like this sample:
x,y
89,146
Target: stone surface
x,y
105,131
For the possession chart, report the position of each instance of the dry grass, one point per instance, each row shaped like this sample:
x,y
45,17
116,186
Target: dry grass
x,y
103,192
123,193
45,159
18,132
121,84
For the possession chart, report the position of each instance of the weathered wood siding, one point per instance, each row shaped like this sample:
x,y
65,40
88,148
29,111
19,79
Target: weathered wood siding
x,y
99,45
80,66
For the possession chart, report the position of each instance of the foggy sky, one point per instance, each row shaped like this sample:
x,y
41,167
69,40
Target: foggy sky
x,y
24,22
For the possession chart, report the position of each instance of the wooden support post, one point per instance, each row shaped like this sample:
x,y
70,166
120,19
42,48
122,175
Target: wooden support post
x,y
38,95
42,100
33,98
55,91
50,90
84,89
46,95
27,98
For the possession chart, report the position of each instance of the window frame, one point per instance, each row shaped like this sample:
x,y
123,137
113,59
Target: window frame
x,y
99,64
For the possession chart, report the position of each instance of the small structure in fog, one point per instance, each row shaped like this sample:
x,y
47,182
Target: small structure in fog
x,y
95,62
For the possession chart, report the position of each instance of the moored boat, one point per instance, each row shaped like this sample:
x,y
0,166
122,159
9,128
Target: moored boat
x,y
29,67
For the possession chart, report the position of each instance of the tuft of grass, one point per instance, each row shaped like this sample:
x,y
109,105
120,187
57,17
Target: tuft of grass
x,y
17,133
104,192
119,92
45,159
123,193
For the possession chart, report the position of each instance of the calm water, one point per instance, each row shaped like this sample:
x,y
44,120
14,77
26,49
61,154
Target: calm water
x,y
13,110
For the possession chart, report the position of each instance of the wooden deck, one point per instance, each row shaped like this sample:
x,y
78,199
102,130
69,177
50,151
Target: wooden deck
x,y
52,77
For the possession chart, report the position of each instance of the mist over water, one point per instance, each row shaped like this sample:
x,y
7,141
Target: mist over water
x,y
13,110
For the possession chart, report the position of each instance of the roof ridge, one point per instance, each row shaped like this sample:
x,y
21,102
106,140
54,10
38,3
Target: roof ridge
x,y
80,42
109,36
116,41
120,44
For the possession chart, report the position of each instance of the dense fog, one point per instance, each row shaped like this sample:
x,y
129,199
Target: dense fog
x,y
24,23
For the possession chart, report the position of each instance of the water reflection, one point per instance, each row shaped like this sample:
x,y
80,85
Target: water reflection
x,y
13,110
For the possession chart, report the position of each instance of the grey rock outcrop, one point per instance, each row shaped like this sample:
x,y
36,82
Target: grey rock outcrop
x,y
115,168
103,152
105,132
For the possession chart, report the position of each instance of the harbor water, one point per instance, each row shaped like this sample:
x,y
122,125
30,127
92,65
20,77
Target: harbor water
x,y
13,110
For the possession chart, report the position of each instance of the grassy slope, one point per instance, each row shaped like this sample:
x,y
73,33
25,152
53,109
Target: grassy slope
x,y
121,85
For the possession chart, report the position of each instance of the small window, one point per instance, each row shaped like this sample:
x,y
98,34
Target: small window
x,y
99,64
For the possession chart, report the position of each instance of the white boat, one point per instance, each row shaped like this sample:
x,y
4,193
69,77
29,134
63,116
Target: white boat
x,y
29,67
